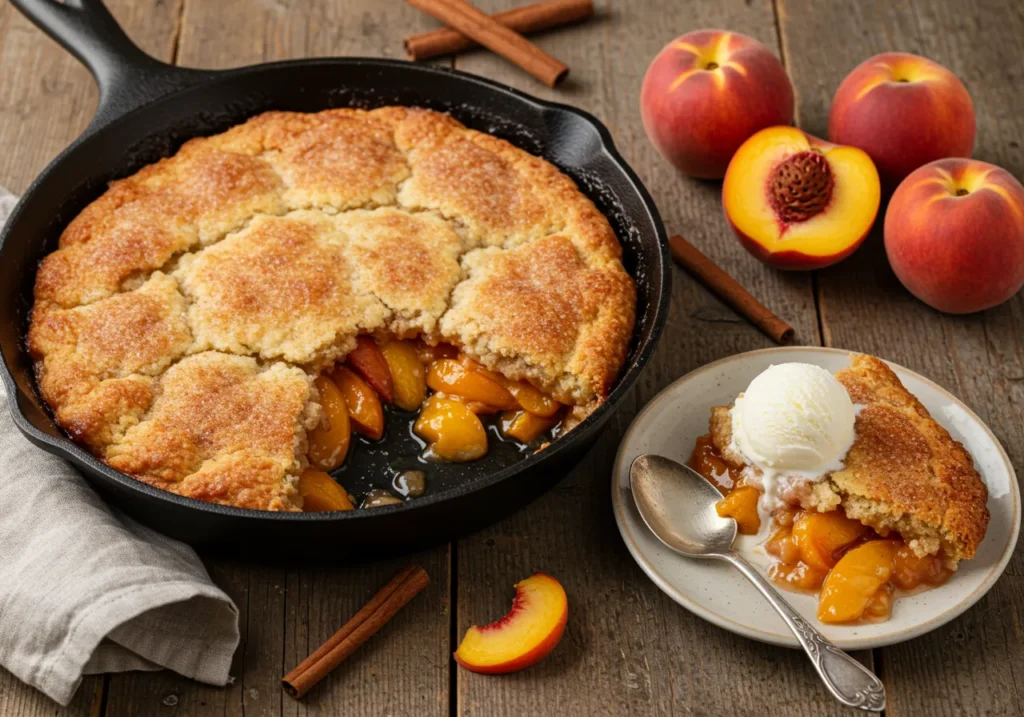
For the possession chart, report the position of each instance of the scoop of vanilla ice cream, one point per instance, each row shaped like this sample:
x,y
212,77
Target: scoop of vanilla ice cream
x,y
794,418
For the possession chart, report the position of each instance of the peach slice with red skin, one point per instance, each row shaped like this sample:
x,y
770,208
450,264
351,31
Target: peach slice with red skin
x,y
798,202
525,636
367,360
364,409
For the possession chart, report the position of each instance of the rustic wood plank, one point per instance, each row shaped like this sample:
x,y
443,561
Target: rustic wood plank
x,y
46,99
975,664
287,613
628,648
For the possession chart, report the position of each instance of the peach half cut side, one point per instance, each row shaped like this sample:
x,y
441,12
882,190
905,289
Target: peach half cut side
x,y
525,636
798,202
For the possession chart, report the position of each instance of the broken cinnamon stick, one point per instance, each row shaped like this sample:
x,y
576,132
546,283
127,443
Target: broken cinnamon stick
x,y
372,617
515,48
524,20
728,290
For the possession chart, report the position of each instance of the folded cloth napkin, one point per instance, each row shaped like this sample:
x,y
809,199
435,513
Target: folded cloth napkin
x,y
84,589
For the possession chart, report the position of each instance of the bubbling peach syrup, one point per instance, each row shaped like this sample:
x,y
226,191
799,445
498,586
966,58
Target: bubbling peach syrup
x,y
451,393
855,572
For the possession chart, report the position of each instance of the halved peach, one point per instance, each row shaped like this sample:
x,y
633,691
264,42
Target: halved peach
x,y
407,372
328,442
525,636
367,360
856,580
321,493
363,404
798,202
453,432
741,506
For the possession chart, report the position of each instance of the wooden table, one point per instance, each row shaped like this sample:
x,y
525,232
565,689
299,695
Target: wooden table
x,y
628,649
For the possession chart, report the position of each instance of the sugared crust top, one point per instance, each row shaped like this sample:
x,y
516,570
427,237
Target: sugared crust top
x,y
177,327
904,460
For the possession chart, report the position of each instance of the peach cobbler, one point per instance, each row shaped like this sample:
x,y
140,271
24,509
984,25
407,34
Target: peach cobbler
x,y
857,492
223,322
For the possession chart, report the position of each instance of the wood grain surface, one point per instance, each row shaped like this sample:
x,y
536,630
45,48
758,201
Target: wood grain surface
x,y
628,649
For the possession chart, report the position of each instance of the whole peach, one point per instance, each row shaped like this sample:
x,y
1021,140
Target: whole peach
x,y
706,92
954,234
904,111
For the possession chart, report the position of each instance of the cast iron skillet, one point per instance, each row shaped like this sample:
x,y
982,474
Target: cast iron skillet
x,y
147,109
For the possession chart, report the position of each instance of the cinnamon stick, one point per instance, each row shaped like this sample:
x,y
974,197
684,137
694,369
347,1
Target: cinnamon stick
x,y
728,290
524,20
515,48
372,617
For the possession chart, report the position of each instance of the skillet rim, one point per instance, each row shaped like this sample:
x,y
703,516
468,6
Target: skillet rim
x,y
192,80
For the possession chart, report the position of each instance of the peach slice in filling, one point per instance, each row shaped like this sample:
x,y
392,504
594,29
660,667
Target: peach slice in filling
x,y
741,505
321,493
407,373
453,432
458,378
367,360
525,636
798,202
364,409
328,444
526,427
856,580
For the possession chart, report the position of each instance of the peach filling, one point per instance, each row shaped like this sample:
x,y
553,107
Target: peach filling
x,y
855,571
403,373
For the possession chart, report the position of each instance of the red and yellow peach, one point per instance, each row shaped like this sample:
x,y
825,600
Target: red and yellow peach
x,y
708,91
904,111
954,234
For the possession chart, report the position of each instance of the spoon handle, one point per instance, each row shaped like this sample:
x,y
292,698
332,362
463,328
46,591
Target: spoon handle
x,y
849,681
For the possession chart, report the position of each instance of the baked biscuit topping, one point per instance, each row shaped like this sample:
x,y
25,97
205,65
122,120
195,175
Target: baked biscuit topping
x,y
179,326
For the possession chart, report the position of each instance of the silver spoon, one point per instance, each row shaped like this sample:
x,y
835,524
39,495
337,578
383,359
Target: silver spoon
x,y
678,505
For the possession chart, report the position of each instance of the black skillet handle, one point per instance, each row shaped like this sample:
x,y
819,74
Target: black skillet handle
x,y
127,77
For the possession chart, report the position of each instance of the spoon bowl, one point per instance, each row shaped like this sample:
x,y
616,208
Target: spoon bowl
x,y
678,505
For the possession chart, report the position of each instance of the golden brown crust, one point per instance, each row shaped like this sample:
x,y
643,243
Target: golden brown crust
x,y
212,406
280,288
539,312
282,239
904,472
905,461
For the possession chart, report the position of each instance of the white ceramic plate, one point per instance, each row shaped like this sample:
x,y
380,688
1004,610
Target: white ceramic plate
x,y
715,591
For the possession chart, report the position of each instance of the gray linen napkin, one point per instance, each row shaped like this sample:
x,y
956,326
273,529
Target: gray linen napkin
x,y
85,590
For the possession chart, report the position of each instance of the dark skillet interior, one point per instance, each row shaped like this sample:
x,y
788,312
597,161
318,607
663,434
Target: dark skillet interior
x,y
570,139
